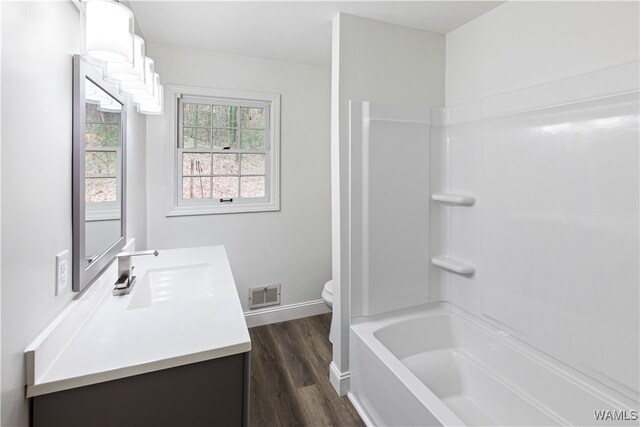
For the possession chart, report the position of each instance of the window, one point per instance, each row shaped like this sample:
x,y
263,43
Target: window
x,y
224,151
102,163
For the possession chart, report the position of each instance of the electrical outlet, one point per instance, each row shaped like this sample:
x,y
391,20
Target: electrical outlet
x,y
62,271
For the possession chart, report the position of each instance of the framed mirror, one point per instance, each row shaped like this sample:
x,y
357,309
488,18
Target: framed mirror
x,y
99,129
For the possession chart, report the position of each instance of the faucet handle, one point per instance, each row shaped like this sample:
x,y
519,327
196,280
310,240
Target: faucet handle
x,y
137,253
126,279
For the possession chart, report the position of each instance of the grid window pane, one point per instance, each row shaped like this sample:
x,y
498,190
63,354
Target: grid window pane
x,y
100,163
102,135
253,164
224,138
226,164
196,115
225,187
196,187
196,138
252,186
196,164
223,151
225,116
100,190
251,139
251,118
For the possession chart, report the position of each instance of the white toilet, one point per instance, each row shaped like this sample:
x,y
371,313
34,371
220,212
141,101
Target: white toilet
x,y
327,296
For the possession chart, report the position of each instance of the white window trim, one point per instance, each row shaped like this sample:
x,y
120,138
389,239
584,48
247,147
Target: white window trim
x,y
177,207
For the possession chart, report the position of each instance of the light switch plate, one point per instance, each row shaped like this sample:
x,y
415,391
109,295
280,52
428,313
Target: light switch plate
x,y
62,271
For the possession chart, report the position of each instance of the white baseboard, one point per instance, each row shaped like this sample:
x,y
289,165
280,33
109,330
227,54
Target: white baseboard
x,y
341,381
285,312
360,410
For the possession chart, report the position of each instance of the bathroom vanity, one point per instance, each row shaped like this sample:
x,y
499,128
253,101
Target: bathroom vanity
x,y
175,351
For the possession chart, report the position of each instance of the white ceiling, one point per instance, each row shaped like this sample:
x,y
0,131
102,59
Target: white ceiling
x,y
295,31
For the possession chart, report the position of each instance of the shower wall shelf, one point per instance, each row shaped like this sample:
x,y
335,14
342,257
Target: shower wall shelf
x,y
453,265
451,199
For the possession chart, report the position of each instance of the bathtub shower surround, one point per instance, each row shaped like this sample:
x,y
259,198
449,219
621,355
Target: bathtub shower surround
x,y
498,284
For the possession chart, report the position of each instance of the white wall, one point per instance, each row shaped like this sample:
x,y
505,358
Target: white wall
x,y
520,44
379,62
0,214
545,179
292,246
137,178
38,39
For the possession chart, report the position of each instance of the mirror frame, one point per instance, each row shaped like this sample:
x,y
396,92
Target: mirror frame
x,y
83,271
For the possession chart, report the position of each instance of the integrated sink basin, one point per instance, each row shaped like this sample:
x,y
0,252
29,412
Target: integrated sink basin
x,y
172,285
183,309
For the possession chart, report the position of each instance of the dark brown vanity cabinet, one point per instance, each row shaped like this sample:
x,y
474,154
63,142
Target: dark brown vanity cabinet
x,y
210,393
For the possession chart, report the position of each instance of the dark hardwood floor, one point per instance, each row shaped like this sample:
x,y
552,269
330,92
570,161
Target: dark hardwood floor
x,y
290,376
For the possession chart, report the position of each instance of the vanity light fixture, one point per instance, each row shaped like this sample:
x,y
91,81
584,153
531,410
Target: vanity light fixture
x,y
150,100
151,91
116,72
153,106
148,97
108,33
136,90
110,42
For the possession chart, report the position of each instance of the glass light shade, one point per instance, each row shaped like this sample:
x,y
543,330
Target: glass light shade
x,y
154,106
108,33
118,72
148,95
137,88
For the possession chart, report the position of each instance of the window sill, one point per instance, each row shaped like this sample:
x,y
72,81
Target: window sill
x,y
227,209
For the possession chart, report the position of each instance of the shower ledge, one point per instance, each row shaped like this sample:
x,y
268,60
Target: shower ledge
x,y
453,265
451,199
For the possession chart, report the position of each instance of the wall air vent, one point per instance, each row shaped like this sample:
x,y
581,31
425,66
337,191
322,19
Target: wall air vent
x,y
264,296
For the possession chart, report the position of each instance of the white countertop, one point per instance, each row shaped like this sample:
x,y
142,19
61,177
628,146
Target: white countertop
x,y
121,336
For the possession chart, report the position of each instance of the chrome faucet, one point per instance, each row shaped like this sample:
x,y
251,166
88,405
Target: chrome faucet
x,y
126,279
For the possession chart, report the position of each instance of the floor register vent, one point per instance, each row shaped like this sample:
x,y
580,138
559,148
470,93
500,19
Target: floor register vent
x,y
264,296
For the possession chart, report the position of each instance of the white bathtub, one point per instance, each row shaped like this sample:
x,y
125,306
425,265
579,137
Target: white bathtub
x,y
438,365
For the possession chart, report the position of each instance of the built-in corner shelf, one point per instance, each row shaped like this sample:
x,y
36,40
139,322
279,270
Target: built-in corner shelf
x,y
453,265
453,199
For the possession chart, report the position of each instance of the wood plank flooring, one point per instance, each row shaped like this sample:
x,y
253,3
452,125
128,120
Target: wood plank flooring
x,y
290,376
